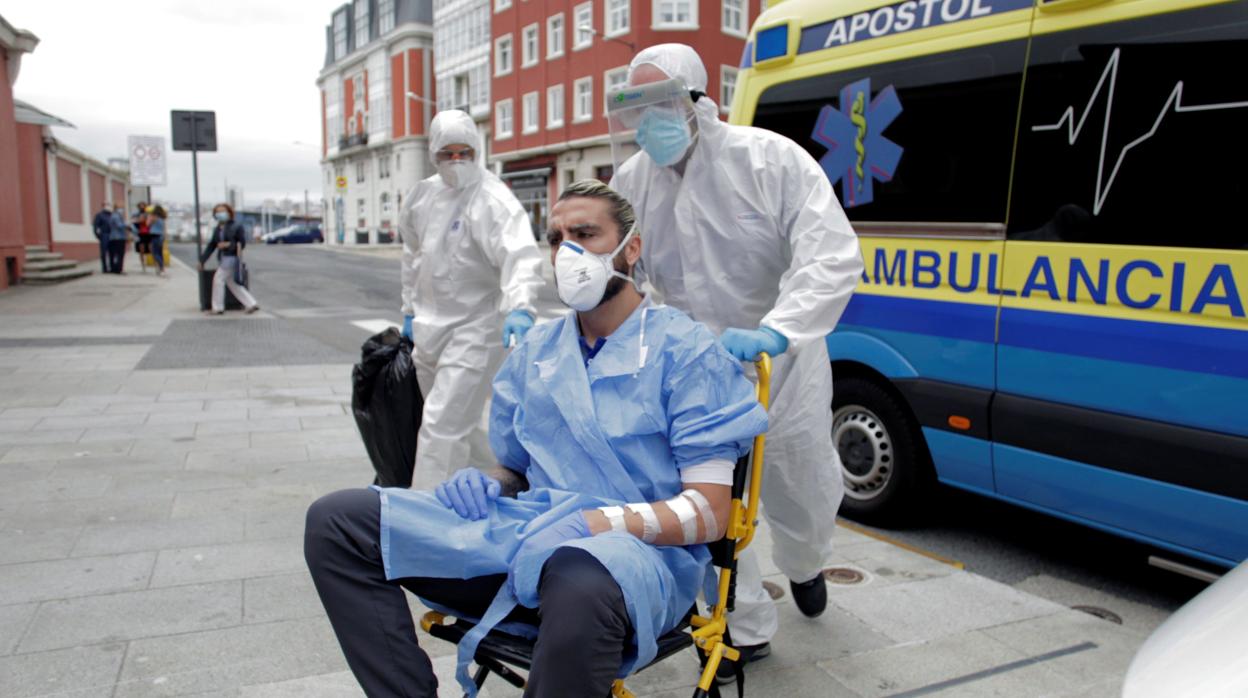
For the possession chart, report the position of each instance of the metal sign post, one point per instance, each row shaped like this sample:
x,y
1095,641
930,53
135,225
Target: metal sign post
x,y
195,131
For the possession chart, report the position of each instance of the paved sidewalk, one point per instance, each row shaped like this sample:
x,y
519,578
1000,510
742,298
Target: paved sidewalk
x,y
151,522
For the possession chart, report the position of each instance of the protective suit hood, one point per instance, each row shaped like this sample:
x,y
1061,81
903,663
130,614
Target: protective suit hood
x,y
450,127
681,62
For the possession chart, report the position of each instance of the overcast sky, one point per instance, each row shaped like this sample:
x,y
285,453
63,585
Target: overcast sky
x,y
115,69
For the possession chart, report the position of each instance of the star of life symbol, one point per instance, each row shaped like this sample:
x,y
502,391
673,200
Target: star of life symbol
x,y
858,153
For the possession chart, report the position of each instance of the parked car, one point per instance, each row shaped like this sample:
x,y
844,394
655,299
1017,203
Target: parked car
x,y
294,234
1200,651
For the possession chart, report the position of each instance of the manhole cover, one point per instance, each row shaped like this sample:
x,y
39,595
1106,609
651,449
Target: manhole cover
x,y
1103,614
773,590
842,575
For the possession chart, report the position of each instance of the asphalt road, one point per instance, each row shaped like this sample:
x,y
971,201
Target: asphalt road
x,y
324,293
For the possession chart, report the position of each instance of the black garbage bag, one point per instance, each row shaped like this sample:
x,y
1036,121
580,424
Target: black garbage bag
x,y
387,403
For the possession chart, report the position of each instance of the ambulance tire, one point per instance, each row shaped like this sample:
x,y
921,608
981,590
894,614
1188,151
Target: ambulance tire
x,y
886,464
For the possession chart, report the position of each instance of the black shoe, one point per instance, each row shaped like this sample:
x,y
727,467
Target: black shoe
x,y
811,597
727,671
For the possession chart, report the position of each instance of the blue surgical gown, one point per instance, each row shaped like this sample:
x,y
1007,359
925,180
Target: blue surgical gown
x,y
661,395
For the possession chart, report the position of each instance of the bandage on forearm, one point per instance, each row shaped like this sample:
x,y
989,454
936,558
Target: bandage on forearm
x,y
687,515
615,517
650,525
704,509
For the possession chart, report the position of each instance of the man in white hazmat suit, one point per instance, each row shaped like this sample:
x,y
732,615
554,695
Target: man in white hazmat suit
x,y
745,234
471,276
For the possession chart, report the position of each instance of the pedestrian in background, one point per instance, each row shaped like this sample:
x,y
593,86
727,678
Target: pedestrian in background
x,y
140,223
156,236
228,240
118,232
102,226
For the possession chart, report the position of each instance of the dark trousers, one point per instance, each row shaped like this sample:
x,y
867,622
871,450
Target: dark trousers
x,y
116,255
104,266
583,624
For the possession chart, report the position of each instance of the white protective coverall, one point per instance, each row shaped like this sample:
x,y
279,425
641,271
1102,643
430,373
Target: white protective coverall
x,y
753,235
469,258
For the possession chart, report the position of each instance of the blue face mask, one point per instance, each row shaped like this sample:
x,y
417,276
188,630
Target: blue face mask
x,y
221,216
664,135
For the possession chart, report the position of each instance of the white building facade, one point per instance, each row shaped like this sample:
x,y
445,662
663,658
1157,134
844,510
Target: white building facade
x,y
461,52
377,99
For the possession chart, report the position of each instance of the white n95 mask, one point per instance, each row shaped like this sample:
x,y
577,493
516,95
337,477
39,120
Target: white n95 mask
x,y
582,276
459,173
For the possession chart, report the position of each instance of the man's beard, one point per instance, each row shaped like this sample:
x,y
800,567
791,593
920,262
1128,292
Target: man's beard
x,y
616,284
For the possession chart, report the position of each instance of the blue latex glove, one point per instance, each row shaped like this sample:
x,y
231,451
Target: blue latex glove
x,y
469,492
516,325
407,326
746,345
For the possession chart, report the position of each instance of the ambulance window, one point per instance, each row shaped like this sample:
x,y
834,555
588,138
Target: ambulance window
x,y
1133,133
944,157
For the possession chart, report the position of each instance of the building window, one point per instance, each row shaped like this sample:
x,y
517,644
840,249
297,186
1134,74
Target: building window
x,y
500,5
398,162
583,100
727,86
613,79
529,113
361,213
359,170
502,55
361,23
383,167
618,17
603,173
385,205
340,35
675,14
582,18
528,46
385,16
554,36
503,122
554,106
733,17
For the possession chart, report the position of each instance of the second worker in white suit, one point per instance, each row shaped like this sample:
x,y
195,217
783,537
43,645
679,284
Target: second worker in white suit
x,y
471,276
745,234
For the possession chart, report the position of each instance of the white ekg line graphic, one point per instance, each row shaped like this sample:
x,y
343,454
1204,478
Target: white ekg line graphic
x,y
1111,74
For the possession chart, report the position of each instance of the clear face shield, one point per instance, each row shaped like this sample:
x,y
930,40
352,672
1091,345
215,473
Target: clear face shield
x,y
655,120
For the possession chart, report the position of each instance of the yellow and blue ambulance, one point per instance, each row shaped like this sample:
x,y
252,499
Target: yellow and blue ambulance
x,y
1052,201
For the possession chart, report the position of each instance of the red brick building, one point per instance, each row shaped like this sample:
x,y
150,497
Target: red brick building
x,y
550,78
13,43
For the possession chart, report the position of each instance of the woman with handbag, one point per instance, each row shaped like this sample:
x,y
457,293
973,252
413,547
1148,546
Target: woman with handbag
x,y
228,240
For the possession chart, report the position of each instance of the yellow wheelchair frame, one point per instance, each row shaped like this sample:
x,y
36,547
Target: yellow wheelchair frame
x,y
709,633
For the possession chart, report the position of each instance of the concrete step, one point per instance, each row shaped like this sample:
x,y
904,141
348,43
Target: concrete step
x,y
36,248
48,264
43,256
43,278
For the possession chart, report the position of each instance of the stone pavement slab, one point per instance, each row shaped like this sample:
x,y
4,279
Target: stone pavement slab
x,y
81,672
229,561
111,539
224,659
131,615
83,576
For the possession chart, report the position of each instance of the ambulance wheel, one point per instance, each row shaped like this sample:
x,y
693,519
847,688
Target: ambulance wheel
x,y
884,459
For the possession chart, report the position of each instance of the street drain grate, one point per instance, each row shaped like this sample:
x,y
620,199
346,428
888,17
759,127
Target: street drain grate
x,y
1103,614
773,590
843,575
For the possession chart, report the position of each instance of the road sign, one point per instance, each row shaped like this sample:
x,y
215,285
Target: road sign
x,y
147,161
194,130
342,183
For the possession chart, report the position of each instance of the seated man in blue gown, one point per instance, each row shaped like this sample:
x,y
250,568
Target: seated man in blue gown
x,y
616,429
